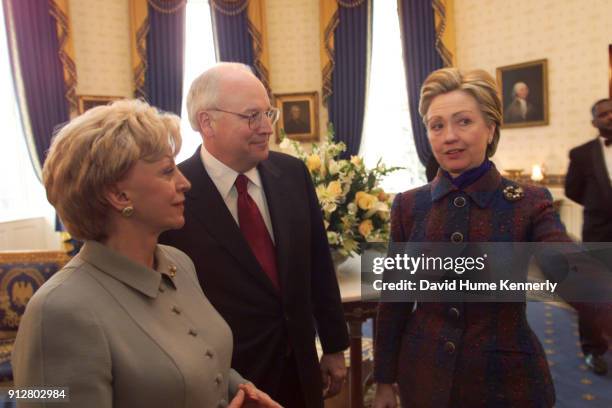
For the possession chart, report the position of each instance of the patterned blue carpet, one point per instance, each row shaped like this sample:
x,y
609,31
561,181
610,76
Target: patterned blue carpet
x,y
557,329
576,386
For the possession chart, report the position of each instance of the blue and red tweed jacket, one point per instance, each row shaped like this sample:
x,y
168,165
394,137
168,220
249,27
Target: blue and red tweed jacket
x,y
467,354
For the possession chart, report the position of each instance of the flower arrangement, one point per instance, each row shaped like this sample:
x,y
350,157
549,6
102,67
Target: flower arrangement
x,y
355,209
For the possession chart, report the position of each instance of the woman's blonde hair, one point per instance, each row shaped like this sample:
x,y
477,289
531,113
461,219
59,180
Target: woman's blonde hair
x,y
477,83
94,151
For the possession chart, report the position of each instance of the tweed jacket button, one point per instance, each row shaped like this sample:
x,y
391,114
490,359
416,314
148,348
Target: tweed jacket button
x,y
176,310
219,379
459,201
209,353
222,404
453,312
172,270
193,332
450,347
161,288
457,237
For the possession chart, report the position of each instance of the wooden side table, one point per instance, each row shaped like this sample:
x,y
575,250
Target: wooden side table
x,y
356,312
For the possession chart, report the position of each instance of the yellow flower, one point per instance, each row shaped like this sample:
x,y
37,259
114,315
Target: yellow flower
x,y
366,227
334,188
356,160
365,201
313,162
383,215
382,196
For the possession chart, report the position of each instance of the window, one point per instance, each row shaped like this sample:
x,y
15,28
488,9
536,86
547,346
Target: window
x,y
387,131
199,55
21,192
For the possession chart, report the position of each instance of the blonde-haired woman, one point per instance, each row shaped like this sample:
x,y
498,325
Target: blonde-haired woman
x,y
125,323
464,354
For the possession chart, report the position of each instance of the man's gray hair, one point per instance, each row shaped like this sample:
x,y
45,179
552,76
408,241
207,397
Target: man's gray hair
x,y
204,91
516,87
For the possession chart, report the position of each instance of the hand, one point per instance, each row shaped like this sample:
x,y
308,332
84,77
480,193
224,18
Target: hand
x,y
237,400
385,396
255,398
333,370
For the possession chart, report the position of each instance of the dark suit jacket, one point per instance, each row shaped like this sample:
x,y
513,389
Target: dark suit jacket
x,y
513,113
495,359
587,183
265,324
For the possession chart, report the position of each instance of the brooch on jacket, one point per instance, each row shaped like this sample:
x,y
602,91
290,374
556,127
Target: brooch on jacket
x,y
513,193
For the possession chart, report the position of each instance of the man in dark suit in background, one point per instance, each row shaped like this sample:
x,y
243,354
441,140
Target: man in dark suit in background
x,y
589,183
254,230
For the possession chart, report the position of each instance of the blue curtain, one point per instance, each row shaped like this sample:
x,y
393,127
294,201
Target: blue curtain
x,y
420,59
237,39
347,102
165,55
36,61
232,35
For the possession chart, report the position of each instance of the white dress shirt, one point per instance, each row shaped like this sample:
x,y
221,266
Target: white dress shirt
x,y
607,154
523,106
224,178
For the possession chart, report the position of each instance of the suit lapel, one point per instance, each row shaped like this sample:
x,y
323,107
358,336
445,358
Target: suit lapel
x,y
600,169
206,205
279,205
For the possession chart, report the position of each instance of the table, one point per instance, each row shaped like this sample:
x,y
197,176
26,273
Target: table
x,y
356,311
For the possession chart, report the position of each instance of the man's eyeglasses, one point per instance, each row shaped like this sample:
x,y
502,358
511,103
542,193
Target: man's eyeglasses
x,y
255,118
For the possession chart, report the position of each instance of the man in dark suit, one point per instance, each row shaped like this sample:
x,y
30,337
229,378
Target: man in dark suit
x,y
588,182
254,230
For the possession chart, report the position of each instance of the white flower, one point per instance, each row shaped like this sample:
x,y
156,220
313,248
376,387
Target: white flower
x,y
379,208
330,207
332,237
333,167
285,144
352,208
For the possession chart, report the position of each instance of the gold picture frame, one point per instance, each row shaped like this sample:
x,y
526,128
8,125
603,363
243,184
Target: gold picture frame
x,y
524,94
299,116
87,102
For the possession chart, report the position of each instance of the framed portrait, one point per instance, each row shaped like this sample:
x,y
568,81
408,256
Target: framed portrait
x,y
524,94
299,116
610,70
86,102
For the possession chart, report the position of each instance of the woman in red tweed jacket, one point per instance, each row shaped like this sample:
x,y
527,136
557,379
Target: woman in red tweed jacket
x,y
464,354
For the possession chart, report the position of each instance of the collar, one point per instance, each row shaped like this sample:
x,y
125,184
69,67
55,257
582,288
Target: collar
x,y
470,176
224,176
605,141
134,275
481,191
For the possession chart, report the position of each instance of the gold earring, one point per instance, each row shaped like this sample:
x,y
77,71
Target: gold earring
x,y
127,211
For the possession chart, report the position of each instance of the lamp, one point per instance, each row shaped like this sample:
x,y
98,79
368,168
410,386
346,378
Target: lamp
x,y
537,173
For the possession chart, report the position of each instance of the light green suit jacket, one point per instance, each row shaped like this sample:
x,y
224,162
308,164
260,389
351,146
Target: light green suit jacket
x,y
118,334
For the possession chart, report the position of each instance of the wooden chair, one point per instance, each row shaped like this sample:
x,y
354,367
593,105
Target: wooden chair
x,y
21,274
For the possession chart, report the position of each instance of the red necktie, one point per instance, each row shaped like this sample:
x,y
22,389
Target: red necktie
x,y
254,230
